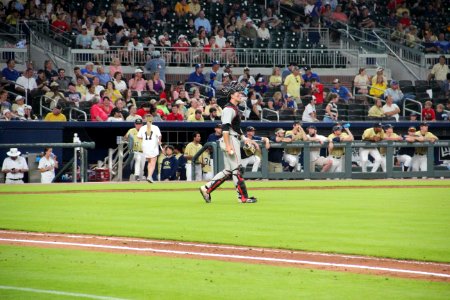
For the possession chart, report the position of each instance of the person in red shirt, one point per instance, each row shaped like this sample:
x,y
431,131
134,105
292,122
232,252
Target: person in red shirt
x,y
428,113
317,91
175,115
144,110
60,24
98,114
181,48
405,20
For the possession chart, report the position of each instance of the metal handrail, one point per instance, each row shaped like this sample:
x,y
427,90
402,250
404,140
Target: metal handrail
x,y
25,89
411,110
79,111
42,106
271,111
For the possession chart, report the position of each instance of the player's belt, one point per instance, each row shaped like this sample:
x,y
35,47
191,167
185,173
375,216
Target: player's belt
x,y
138,151
14,179
235,135
419,153
337,157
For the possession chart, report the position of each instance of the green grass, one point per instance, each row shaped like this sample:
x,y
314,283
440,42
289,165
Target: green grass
x,y
408,223
146,277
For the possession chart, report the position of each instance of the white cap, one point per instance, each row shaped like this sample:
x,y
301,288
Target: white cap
x,y
138,71
182,36
379,69
13,152
19,97
178,102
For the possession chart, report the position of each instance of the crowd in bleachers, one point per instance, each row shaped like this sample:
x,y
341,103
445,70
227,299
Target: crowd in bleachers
x,y
146,27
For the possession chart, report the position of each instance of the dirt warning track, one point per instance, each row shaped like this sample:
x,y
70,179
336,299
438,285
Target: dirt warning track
x,y
277,257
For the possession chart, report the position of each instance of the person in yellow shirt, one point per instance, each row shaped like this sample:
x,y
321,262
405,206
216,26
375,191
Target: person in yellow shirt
x,y
293,83
419,160
191,149
181,8
389,135
55,115
207,168
378,87
194,7
439,70
196,117
336,154
291,154
376,111
373,134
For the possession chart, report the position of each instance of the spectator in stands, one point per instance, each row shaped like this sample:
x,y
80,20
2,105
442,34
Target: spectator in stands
x,y
366,19
88,71
80,86
194,7
42,83
110,27
441,115
275,80
443,44
288,70
181,48
97,112
439,70
50,73
296,25
112,92
390,109
250,79
391,20
18,108
342,91
428,43
212,104
263,31
182,8
309,75
73,96
399,33
309,114
220,38
98,87
376,111
62,80
55,115
54,97
84,40
202,38
155,84
291,106
361,82
9,72
241,20
292,84
211,50
395,92
118,82
102,76
197,76
213,115
8,116
138,83
412,40
135,51
60,25
331,110
201,21
115,67
317,91
91,94
249,30
255,104
428,113
229,53
133,116
271,19
4,103
276,103
99,43
377,89
29,114
115,116
405,20
157,64
196,117
26,82
175,115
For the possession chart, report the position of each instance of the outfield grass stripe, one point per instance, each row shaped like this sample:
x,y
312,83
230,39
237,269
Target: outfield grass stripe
x,y
217,246
230,256
52,292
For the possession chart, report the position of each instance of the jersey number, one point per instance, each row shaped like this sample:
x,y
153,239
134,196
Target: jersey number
x,y
148,137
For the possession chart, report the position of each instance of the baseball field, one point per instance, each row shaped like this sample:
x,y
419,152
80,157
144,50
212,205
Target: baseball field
x,y
334,239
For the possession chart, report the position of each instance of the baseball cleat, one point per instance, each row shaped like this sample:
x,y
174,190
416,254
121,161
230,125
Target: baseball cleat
x,y
248,200
150,179
205,194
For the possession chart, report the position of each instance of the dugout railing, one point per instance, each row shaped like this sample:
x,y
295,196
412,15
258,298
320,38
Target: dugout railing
x,y
350,170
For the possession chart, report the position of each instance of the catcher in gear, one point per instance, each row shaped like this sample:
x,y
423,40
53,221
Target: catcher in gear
x,y
230,145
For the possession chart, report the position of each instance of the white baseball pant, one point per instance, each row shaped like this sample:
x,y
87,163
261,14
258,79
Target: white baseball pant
x,y
253,160
139,165
291,159
338,163
405,160
13,181
419,162
364,156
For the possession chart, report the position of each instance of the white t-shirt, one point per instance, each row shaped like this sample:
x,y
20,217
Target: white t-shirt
x,y
47,176
315,152
306,114
18,163
220,41
28,83
150,144
393,107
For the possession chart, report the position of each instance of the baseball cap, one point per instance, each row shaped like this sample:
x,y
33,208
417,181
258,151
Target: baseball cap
x,y
412,129
287,96
394,82
226,74
180,83
212,75
279,130
58,107
181,36
388,126
198,66
246,69
153,101
423,124
178,102
6,111
312,127
218,125
380,69
19,97
377,125
307,68
337,127
138,121
89,63
138,70
156,53
215,62
54,84
250,128
336,81
161,37
84,27
248,21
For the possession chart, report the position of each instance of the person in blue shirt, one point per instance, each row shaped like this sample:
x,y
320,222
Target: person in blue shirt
x,y
310,75
10,73
201,21
214,137
342,91
88,72
169,166
197,75
179,154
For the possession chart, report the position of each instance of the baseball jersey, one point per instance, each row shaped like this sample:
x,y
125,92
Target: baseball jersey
x,y
137,143
337,151
315,152
370,133
383,149
191,149
423,150
299,136
230,116
150,142
206,161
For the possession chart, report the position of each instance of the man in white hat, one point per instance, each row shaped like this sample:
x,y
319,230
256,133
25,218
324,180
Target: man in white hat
x,y
138,83
181,48
14,167
18,108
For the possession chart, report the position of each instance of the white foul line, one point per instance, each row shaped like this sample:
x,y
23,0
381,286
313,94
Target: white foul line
x,y
52,292
224,247
232,256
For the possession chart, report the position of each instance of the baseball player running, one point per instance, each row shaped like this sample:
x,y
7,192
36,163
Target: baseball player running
x,y
324,163
230,145
291,154
337,153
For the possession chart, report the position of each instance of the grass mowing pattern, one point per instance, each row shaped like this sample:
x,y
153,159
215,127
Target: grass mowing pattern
x,y
400,223
146,277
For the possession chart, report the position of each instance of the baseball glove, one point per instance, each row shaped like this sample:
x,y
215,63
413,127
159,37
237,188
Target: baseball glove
x,y
249,149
